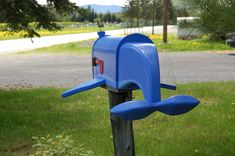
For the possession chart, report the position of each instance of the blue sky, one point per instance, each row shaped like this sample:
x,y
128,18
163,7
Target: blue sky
x,y
101,2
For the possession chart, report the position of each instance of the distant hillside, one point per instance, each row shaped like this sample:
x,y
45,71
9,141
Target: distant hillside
x,y
104,8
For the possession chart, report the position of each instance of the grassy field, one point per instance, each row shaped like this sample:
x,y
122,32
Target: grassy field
x,y
207,130
174,45
200,44
66,30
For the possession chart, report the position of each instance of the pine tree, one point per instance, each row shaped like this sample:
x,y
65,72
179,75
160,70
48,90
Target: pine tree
x,y
18,14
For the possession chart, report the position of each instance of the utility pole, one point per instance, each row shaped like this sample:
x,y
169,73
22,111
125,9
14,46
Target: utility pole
x,y
153,22
165,20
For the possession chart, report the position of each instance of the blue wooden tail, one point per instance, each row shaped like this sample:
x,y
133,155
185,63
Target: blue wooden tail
x,y
174,105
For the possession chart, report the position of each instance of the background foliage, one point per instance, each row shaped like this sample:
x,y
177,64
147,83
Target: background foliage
x,y
19,14
216,17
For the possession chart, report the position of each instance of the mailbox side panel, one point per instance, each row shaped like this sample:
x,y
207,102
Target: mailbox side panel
x,y
105,49
139,65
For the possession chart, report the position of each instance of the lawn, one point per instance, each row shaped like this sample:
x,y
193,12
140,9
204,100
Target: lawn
x,y
207,130
200,44
65,30
174,45
82,47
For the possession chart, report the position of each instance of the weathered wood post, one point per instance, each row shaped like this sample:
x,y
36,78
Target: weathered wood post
x,y
122,130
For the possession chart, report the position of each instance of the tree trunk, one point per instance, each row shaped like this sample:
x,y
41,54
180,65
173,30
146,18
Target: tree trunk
x,y
165,20
153,22
131,22
138,22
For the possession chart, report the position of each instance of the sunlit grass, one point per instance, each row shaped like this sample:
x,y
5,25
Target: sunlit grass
x,y
200,44
174,45
66,30
209,129
82,47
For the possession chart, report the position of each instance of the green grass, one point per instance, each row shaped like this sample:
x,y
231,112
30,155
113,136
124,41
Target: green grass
x,y
207,130
174,45
200,44
82,47
66,30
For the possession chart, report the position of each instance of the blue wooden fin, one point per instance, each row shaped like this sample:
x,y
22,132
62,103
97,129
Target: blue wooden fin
x,y
84,86
175,105
133,110
168,86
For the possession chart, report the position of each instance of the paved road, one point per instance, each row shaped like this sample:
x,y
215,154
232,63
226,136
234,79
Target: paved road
x,y
70,70
11,46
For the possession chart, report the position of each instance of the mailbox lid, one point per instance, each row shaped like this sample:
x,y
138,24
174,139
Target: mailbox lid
x,y
107,49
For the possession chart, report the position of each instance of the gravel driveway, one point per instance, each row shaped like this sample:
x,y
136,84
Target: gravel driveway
x,y
70,70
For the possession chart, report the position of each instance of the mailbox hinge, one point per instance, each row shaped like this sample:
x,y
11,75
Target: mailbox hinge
x,y
96,61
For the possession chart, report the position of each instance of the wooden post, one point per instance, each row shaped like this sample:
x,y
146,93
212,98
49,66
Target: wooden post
x,y
123,136
165,20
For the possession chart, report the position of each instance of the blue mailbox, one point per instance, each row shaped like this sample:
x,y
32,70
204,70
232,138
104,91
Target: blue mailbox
x,y
130,63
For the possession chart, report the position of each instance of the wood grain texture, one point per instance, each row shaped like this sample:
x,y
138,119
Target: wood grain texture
x,y
122,130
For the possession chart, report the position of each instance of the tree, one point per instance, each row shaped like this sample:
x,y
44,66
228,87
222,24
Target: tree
x,y
216,17
56,16
182,12
172,11
146,10
99,22
130,11
29,16
156,12
109,17
93,15
137,11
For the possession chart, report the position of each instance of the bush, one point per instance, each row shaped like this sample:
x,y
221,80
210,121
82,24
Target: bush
x,y
59,145
216,17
